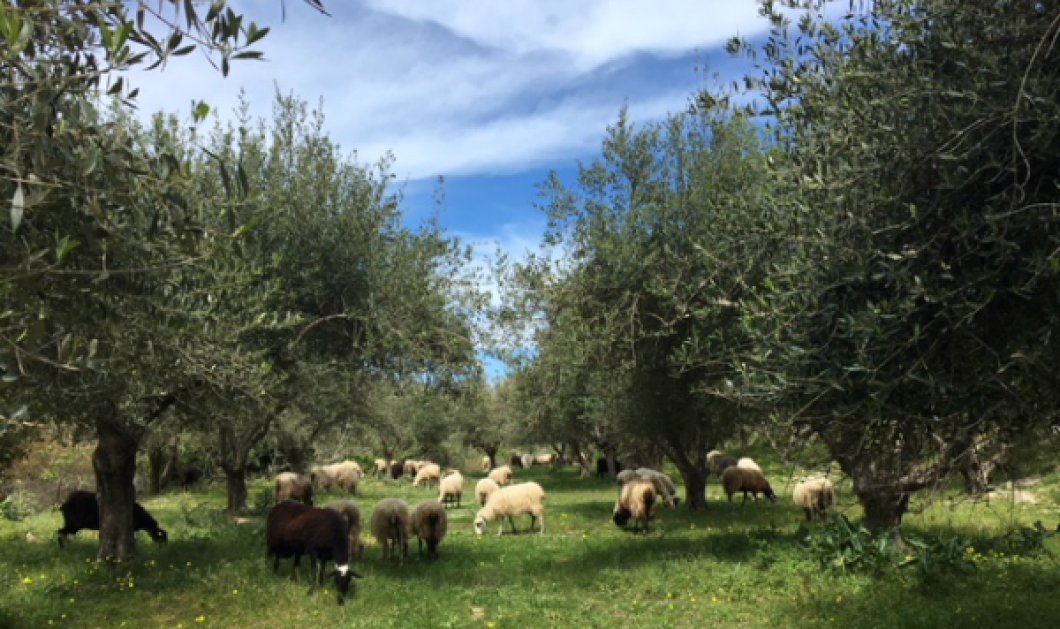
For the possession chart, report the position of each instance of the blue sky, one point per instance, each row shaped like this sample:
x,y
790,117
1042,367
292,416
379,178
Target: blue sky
x,y
490,94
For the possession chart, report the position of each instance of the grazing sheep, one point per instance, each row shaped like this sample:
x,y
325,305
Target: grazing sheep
x,y
524,498
720,463
293,530
380,468
451,489
748,481
637,501
427,474
527,461
291,486
409,467
397,469
485,464
516,460
544,458
346,475
351,512
815,496
321,477
81,512
390,526
429,524
484,488
748,463
501,475
664,487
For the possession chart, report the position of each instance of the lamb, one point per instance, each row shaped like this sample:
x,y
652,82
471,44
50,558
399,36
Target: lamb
x,y
815,496
380,467
740,479
409,467
351,513
520,499
748,463
81,511
484,488
431,472
451,488
501,475
429,524
486,464
293,530
291,486
390,527
637,501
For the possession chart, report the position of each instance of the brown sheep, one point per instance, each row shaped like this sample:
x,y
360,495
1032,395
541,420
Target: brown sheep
x,y
748,481
291,486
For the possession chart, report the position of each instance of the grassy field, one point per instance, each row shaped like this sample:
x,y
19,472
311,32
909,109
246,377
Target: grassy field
x,y
744,565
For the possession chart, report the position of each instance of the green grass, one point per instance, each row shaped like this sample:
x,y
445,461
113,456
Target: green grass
x,y
735,565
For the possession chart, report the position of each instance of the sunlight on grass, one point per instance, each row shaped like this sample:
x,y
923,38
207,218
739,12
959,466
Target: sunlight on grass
x,y
738,564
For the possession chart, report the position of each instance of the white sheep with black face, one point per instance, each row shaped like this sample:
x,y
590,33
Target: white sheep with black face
x,y
521,499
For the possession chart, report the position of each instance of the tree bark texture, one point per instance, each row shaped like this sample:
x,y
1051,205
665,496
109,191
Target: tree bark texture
x,y
114,462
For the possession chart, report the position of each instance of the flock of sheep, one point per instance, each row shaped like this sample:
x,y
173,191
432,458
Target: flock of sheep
x,y
294,527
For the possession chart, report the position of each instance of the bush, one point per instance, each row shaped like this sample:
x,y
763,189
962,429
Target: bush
x,y
845,547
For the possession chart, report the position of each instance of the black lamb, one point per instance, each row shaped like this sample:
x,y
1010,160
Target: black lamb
x,y
81,511
293,529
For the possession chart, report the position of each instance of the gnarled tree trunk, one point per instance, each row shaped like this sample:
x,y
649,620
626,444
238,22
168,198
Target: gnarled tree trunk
x,y
114,462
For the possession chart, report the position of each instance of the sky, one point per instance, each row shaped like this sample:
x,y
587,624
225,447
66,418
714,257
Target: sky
x,y
489,94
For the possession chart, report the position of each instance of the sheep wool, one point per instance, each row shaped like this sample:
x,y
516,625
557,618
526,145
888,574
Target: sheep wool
x,y
451,489
390,526
521,499
815,496
485,464
351,512
748,481
501,475
427,474
345,475
484,488
380,468
429,524
720,462
637,501
291,486
747,463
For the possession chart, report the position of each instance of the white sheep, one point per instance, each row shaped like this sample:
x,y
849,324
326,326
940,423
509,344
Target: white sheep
x,y
484,489
748,463
427,473
485,464
637,501
664,487
501,475
815,496
390,527
429,524
380,468
520,499
451,489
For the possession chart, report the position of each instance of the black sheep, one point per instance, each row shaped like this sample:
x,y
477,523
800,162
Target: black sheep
x,y
81,511
293,529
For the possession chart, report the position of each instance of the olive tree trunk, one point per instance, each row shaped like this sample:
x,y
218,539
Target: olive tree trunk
x,y
114,462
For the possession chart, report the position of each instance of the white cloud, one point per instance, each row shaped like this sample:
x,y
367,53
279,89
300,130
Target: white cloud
x,y
464,86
